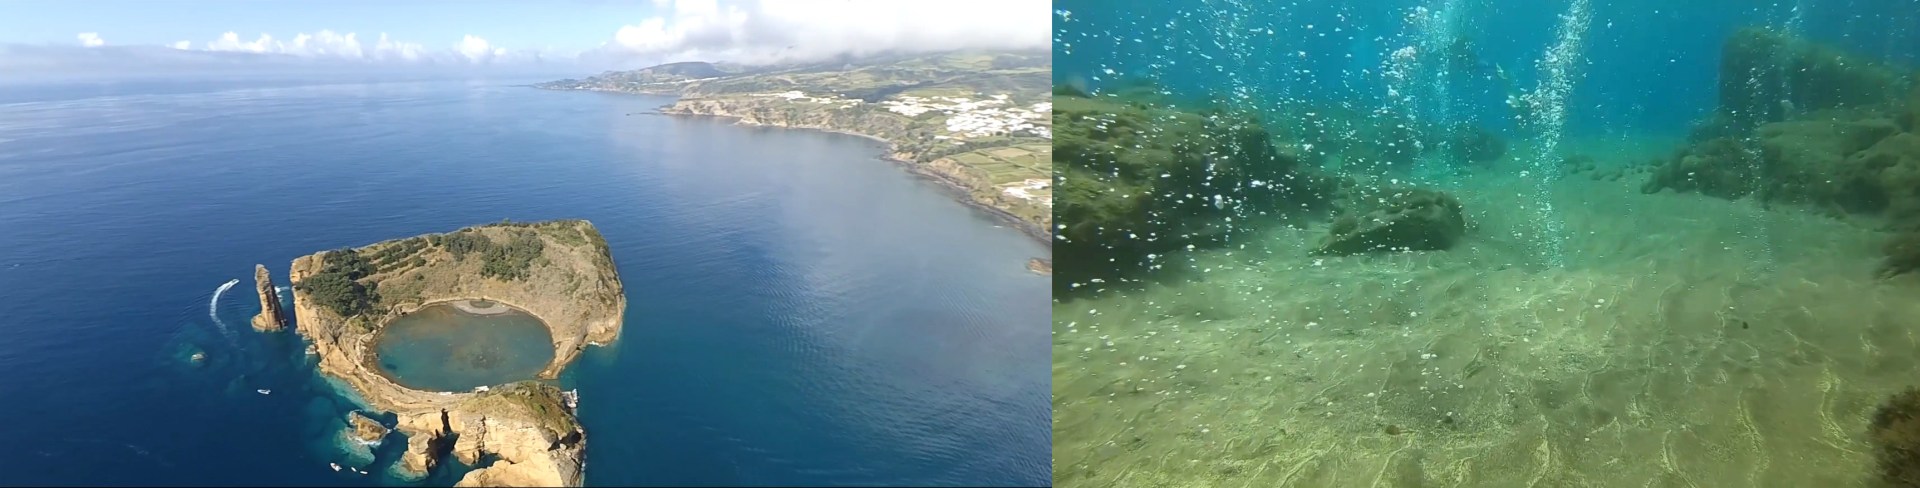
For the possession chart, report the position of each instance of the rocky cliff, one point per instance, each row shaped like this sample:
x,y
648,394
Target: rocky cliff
x,y
907,146
270,318
559,271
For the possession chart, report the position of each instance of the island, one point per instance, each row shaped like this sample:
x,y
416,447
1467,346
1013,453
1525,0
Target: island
x,y
522,433
978,122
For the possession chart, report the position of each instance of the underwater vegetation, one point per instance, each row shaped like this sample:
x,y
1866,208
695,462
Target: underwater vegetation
x,y
1896,439
1821,128
1137,175
1395,219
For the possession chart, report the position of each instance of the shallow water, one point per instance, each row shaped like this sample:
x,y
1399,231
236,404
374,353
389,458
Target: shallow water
x,y
441,348
1586,329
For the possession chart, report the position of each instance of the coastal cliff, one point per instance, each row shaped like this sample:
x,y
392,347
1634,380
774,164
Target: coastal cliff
x,y
976,122
270,318
976,183
559,271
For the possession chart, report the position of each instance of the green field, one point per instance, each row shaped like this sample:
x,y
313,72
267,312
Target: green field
x,y
1010,164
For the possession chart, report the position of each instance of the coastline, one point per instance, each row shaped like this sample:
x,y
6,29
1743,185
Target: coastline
x,y
891,154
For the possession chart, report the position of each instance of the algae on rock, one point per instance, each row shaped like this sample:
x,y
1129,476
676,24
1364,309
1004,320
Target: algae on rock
x,y
1395,220
1138,176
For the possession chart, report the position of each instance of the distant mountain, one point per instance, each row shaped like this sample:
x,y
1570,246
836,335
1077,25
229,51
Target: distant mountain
x,y
1025,75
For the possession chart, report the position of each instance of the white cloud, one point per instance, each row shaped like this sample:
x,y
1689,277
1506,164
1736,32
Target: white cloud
x,y
758,31
327,44
182,45
386,49
91,39
231,42
478,50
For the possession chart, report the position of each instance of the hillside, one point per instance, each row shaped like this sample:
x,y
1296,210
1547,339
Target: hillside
x,y
976,121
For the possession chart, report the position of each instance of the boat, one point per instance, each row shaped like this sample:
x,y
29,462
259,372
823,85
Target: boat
x,y
336,466
263,392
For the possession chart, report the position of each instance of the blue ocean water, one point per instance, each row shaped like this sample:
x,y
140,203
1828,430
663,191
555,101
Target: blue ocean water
x,y
800,311
1647,65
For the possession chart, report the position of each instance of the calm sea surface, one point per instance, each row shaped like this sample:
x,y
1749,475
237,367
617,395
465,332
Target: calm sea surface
x,y
800,312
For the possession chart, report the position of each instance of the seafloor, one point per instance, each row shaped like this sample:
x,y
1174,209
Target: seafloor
x,y
1683,340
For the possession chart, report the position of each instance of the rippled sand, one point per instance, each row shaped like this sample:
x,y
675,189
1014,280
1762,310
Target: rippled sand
x,y
1687,341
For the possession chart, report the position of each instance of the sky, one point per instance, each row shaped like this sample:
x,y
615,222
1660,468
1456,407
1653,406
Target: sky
x,y
545,36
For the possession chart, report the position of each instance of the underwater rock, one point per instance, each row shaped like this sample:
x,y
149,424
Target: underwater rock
x,y
1886,176
1473,144
1717,167
1807,161
1835,160
1390,220
365,428
1137,176
1903,255
1577,163
1767,76
270,318
1895,433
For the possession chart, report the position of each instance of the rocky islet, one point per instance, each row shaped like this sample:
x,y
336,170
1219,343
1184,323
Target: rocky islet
x,y
518,434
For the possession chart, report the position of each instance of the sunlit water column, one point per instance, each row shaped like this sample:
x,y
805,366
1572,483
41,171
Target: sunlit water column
x,y
1759,230
1437,31
1549,104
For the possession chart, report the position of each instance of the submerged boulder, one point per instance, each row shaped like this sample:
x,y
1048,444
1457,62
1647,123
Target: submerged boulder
x,y
1719,167
1768,76
1852,162
1393,220
1895,433
1903,255
1138,175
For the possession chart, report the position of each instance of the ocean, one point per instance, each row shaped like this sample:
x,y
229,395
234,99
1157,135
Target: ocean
x,y
801,312
1487,243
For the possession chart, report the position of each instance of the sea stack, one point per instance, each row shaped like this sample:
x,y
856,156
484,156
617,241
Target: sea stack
x,y
271,318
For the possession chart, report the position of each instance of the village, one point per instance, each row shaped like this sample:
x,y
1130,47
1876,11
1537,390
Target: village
x,y
966,118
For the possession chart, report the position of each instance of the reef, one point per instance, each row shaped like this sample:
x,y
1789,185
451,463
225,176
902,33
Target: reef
x,y
1768,76
1138,175
270,318
1807,124
1394,220
521,434
1895,433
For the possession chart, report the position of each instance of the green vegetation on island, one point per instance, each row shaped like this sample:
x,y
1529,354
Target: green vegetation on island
x,y
561,272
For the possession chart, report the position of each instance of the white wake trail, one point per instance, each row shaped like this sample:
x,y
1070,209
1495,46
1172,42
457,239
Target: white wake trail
x,y
213,308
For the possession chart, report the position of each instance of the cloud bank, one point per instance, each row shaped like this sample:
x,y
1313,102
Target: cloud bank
x,y
774,31
737,31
